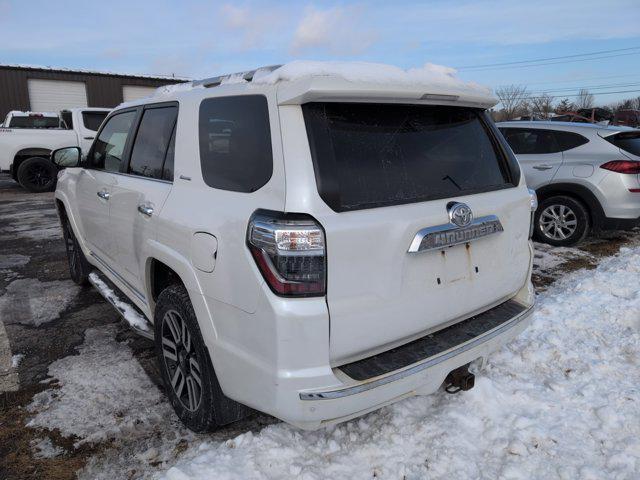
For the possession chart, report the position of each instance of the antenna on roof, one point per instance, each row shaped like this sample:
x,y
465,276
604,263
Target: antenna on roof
x,y
247,75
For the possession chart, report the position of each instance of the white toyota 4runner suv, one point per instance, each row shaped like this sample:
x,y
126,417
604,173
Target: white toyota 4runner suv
x,y
313,242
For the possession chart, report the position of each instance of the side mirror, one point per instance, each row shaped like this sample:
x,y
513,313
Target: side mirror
x,y
67,157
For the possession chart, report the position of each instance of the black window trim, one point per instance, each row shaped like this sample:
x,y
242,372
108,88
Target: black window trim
x,y
271,139
124,170
547,129
133,133
508,167
125,150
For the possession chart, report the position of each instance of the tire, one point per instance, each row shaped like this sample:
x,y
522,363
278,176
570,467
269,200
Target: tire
x,y
187,372
37,174
561,221
79,267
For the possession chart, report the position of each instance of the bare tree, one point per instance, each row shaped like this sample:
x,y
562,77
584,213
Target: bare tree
x,y
564,106
585,99
511,97
542,104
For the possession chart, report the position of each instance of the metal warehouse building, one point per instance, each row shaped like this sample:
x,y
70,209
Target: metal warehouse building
x,y
42,89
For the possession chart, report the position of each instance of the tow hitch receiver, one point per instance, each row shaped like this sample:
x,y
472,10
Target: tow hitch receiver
x,y
459,379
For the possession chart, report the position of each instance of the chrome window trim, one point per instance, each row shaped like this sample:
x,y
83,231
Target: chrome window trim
x,y
490,221
416,368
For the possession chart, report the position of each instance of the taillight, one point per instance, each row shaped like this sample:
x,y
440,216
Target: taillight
x,y
290,252
622,166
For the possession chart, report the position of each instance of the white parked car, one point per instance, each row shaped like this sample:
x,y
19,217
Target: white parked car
x,y
313,244
24,151
586,176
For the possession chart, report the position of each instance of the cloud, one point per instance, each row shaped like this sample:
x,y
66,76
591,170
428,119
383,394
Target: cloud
x,y
335,30
254,25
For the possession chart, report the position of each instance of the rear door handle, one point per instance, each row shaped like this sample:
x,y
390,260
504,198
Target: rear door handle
x,y
145,210
103,194
89,138
544,166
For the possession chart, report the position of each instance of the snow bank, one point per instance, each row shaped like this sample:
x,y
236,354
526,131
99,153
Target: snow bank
x,y
561,401
378,73
129,313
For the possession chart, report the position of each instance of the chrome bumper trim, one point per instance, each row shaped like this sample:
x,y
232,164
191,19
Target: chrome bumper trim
x,y
412,370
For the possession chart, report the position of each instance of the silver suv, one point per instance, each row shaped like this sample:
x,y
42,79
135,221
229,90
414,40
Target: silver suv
x,y
585,175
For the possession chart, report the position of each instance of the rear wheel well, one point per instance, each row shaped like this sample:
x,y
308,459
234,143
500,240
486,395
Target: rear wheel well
x,y
27,153
578,193
161,276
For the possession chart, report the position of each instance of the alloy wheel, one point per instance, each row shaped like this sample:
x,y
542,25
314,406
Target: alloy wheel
x,y
38,175
558,222
181,360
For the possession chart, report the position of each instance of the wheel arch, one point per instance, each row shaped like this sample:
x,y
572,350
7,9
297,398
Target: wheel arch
x,y
163,266
26,153
577,192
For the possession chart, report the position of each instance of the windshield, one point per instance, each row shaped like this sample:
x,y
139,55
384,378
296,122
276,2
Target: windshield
x,y
627,141
34,122
370,155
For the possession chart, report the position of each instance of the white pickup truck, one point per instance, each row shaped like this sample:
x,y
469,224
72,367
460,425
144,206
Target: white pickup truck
x,y
24,152
18,119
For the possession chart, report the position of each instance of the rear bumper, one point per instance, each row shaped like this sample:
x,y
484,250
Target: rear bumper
x,y
353,398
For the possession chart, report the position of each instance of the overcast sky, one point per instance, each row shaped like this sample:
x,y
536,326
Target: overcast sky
x,y
196,38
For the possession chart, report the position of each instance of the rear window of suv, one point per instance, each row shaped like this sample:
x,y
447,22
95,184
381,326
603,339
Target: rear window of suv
x,y
372,155
627,141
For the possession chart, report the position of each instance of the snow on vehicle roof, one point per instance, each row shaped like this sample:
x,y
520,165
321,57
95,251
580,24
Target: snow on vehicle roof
x,y
364,72
430,82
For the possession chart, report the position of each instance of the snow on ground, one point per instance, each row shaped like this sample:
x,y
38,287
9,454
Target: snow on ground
x,y
32,225
16,359
44,448
32,302
13,260
104,393
560,401
129,313
547,258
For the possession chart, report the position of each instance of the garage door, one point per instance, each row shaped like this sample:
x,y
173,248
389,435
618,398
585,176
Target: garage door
x,y
134,92
55,95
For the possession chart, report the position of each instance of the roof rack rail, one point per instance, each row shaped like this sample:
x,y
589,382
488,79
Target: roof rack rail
x,y
248,76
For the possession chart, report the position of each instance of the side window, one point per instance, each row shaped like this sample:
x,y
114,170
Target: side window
x,y
235,143
93,120
109,146
531,141
569,140
152,142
